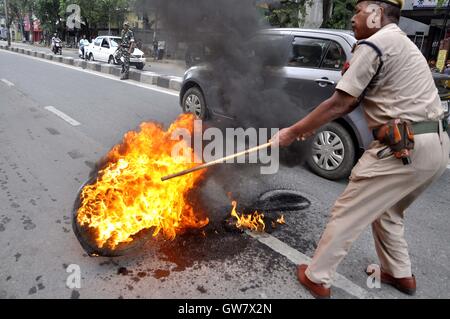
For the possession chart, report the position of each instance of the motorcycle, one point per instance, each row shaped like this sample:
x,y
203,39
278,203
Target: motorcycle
x,y
57,47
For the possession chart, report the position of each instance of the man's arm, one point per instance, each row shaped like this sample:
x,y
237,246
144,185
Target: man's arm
x,y
336,106
132,46
132,43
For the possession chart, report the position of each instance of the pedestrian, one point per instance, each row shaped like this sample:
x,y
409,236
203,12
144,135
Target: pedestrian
x,y
447,67
155,50
389,74
125,49
161,49
433,66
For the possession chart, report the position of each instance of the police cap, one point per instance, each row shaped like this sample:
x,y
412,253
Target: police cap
x,y
397,3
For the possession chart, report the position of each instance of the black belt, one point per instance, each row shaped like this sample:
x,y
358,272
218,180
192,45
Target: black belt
x,y
423,128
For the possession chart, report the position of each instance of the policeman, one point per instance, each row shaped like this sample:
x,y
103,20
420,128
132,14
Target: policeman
x,y
391,77
125,49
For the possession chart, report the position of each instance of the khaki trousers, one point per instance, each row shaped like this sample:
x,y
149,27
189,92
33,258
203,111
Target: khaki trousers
x,y
379,192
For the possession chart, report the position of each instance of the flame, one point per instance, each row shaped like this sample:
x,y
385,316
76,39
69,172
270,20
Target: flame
x,y
281,220
253,221
128,195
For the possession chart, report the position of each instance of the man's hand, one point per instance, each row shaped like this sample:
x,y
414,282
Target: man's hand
x,y
287,136
131,49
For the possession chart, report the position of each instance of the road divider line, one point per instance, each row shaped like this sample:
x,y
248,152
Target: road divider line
x,y
62,115
298,258
8,83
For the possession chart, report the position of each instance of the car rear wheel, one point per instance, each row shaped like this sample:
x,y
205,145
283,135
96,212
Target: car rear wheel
x,y
91,57
194,102
333,152
140,66
111,60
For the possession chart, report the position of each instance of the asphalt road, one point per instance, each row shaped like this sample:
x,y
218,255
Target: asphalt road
x,y
44,160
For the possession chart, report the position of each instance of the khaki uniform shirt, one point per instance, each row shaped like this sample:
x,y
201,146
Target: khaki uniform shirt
x,y
404,89
127,38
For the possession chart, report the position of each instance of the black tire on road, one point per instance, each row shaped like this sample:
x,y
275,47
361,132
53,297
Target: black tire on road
x,y
140,66
91,57
194,102
334,138
111,60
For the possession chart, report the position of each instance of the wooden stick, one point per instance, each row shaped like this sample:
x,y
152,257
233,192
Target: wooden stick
x,y
219,161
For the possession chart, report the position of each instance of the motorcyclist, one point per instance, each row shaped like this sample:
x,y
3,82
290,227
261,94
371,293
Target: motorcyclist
x,y
83,43
55,39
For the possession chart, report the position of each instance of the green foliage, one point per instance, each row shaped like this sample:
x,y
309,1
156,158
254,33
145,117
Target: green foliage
x,y
342,14
288,13
47,11
97,13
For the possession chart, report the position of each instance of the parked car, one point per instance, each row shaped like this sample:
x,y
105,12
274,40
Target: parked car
x,y
103,49
313,72
443,84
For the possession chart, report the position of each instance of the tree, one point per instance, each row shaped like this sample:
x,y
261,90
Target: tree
x,y
114,11
14,13
98,13
26,9
47,11
288,13
343,10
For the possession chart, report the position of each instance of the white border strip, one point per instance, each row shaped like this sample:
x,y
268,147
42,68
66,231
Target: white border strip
x,y
298,258
10,84
62,115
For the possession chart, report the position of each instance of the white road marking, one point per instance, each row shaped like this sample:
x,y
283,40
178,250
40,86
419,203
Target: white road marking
x,y
10,84
106,76
62,115
298,258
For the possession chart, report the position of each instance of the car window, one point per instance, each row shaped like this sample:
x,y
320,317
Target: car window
x,y
271,49
114,44
335,57
98,41
105,44
308,52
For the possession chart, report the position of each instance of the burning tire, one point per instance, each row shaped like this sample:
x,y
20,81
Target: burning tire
x,y
194,102
126,202
85,235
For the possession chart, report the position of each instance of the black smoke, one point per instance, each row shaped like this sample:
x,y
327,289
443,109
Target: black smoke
x,y
240,63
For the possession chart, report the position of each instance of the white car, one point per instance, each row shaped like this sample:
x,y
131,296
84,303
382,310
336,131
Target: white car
x,y
103,49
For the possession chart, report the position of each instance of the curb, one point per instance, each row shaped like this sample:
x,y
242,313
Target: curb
x,y
146,77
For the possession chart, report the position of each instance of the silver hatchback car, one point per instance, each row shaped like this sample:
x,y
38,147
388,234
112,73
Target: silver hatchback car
x,y
310,77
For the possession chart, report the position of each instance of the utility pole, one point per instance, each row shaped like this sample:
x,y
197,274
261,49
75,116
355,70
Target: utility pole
x,y
155,31
109,21
8,36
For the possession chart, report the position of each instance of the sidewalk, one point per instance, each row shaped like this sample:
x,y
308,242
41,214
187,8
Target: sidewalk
x,y
159,78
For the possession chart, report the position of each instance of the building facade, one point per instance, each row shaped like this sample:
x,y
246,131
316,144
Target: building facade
x,y
427,25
